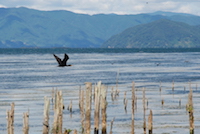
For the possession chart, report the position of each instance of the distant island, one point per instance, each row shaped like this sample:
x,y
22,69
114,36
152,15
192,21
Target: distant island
x,y
24,28
158,34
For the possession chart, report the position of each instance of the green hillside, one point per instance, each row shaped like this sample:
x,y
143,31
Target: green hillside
x,y
23,27
158,34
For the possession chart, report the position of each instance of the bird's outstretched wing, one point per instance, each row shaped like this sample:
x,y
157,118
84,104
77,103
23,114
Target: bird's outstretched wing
x,y
58,59
65,58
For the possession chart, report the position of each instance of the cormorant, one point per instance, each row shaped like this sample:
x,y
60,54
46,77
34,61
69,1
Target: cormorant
x,y
63,62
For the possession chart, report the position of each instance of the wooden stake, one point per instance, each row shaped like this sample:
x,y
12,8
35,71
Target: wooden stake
x,y
58,113
112,94
88,107
133,108
82,110
26,123
46,115
124,97
97,107
190,111
103,109
70,107
10,119
173,86
80,99
150,122
125,102
111,125
162,102
144,108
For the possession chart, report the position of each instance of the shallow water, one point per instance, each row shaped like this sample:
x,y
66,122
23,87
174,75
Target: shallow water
x,y
26,77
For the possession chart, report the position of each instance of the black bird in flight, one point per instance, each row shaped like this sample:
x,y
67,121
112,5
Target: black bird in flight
x,y
63,62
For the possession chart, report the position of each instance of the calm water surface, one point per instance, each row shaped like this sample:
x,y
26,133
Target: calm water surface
x,y
27,75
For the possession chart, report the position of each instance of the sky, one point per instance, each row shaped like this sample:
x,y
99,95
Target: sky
x,y
109,6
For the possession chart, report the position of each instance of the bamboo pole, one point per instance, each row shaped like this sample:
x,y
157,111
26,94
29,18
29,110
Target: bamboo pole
x,y
112,94
70,107
190,111
80,91
61,106
88,107
133,107
124,97
10,119
97,107
58,113
125,102
150,122
26,123
103,109
144,108
82,110
111,125
46,115
162,102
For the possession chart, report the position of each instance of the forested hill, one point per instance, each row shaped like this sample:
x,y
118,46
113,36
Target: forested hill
x,y
158,34
23,27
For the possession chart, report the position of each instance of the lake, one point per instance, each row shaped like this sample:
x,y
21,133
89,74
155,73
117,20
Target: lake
x,y
27,75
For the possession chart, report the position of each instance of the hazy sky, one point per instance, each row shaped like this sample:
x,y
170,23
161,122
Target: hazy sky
x,y
109,6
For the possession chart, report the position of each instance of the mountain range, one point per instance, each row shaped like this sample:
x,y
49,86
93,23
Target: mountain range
x,y
162,33
24,27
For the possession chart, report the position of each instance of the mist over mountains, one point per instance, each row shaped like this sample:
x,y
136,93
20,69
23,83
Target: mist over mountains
x,y
23,27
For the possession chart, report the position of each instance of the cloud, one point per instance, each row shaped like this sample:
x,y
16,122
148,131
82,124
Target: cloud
x,y
109,6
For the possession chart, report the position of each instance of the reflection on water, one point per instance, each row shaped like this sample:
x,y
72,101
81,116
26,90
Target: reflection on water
x,y
27,77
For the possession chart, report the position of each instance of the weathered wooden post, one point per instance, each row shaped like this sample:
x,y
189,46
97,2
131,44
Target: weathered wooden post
x,y
144,108
150,122
82,111
88,107
125,102
10,119
124,97
26,123
79,99
133,107
190,109
112,94
58,113
46,115
162,102
111,125
97,107
103,109
70,107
